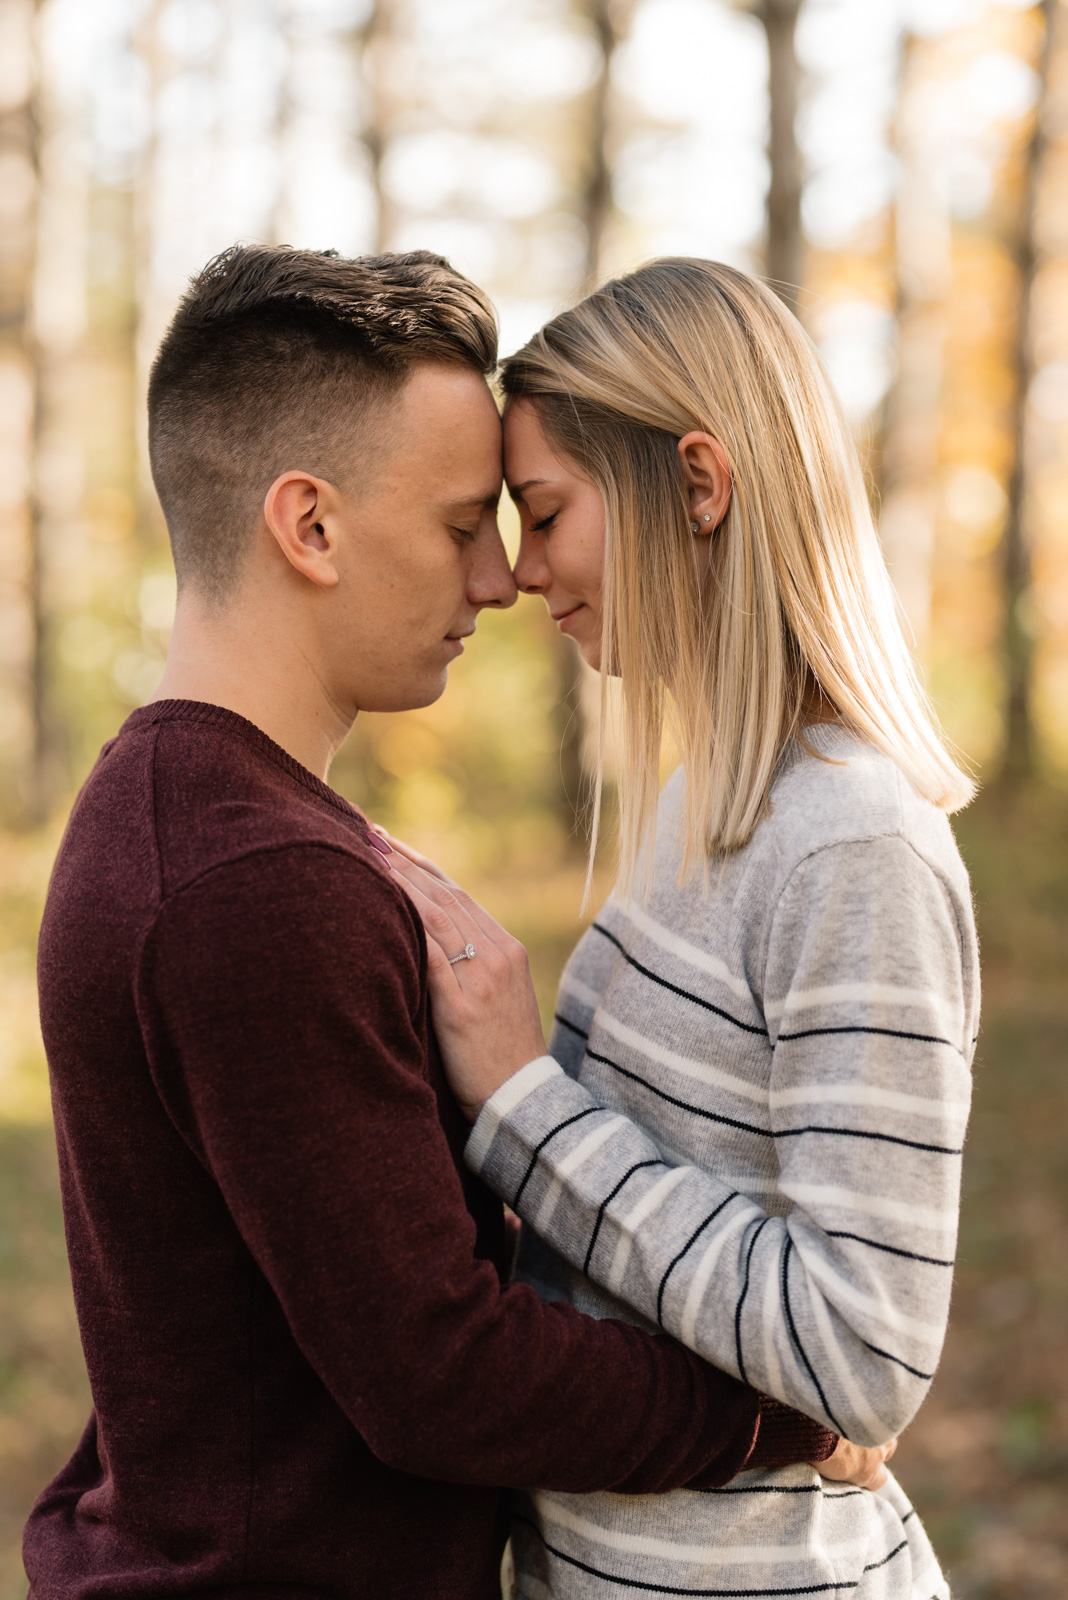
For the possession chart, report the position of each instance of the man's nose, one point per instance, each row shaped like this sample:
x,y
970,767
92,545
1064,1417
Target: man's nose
x,y
490,582
531,569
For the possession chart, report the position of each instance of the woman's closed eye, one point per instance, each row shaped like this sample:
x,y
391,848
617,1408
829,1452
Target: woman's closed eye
x,y
546,522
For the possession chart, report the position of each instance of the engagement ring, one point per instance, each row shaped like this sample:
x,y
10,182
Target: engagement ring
x,y
466,954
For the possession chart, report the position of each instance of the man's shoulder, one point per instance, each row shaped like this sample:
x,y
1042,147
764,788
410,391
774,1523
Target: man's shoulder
x,y
221,792
179,800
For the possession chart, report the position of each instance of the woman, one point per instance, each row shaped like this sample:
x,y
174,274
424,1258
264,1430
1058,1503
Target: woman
x,y
748,1132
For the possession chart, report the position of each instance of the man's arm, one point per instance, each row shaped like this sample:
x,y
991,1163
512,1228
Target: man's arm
x,y
281,999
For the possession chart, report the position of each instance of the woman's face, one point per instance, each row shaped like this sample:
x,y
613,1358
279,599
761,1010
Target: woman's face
x,y
561,555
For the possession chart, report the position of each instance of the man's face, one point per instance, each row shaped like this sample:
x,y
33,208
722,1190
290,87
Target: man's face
x,y
420,553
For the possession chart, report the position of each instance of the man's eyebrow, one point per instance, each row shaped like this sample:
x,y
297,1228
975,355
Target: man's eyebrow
x,y
516,490
488,499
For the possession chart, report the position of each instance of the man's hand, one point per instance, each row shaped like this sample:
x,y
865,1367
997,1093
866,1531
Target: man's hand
x,y
857,1464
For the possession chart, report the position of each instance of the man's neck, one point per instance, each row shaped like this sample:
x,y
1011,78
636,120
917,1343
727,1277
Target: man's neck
x,y
234,658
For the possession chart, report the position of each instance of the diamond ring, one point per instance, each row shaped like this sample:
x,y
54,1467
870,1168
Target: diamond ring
x,y
468,953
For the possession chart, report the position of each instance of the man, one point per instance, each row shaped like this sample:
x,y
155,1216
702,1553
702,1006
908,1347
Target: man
x,y
309,1376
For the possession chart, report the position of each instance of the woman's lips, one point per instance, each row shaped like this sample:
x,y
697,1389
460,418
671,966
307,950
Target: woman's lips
x,y
566,618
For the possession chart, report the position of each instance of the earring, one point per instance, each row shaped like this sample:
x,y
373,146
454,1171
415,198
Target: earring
x,y
695,527
708,516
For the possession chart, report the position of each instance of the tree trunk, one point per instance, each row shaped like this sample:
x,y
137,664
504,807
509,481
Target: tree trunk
x,y
20,642
56,345
596,200
1018,751
373,41
784,264
577,687
909,457
280,225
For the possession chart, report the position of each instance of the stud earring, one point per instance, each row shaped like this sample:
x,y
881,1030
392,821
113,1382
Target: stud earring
x,y
708,516
695,527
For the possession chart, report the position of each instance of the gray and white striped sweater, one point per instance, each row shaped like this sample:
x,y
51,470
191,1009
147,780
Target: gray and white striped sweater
x,y
754,1144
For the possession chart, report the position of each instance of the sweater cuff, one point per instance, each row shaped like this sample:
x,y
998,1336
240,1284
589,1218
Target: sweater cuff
x,y
511,1093
786,1438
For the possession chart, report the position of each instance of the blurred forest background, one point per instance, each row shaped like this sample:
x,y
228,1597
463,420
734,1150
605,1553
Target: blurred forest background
x,y
899,169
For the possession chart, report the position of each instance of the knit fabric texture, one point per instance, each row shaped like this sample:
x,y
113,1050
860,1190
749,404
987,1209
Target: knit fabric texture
x,y
308,1378
750,1136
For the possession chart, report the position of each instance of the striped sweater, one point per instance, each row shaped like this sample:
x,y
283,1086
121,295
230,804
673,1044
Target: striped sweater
x,y
750,1136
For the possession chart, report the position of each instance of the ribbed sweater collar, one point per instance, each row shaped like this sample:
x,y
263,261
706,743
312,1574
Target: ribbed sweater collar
x,y
239,727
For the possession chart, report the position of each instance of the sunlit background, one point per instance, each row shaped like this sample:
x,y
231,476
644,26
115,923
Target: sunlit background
x,y
905,185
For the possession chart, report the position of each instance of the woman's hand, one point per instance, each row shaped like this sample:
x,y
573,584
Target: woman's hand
x,y
857,1464
412,854
485,1010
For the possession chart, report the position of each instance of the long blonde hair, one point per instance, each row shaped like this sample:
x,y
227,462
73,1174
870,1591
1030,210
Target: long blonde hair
x,y
794,602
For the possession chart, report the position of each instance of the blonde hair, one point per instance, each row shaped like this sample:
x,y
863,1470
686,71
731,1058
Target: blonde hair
x,y
794,603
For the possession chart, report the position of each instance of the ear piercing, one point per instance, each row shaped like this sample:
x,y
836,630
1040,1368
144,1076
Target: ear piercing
x,y
708,516
695,527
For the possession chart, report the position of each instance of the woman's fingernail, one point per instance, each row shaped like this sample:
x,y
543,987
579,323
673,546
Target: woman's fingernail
x,y
379,844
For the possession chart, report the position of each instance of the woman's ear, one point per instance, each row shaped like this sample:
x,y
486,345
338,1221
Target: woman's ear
x,y
301,513
709,480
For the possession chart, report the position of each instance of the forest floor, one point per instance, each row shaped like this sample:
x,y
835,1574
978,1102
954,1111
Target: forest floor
x,y
986,1461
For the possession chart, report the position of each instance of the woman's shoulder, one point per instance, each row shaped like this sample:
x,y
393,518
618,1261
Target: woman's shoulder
x,y
841,790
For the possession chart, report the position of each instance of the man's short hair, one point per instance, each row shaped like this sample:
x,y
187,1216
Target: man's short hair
x,y
281,359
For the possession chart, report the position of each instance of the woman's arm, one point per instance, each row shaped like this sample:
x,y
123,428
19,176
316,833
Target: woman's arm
x,y
840,1308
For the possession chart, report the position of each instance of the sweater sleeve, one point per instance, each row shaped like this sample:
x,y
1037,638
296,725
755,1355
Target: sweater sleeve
x,y
281,1000
840,1306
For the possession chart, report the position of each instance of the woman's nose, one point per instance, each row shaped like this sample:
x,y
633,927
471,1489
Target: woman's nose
x,y
531,570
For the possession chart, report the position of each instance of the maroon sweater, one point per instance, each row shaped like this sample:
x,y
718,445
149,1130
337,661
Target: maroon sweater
x,y
308,1375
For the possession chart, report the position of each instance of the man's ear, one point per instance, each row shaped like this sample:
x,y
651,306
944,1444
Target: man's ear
x,y
301,513
709,480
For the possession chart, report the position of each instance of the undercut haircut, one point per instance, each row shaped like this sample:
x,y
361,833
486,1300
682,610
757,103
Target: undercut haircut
x,y
284,360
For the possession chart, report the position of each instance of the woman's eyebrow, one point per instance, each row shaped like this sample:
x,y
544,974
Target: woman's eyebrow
x,y
517,490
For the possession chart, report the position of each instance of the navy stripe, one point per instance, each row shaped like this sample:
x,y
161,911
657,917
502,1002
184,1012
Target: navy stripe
x,y
684,994
782,1488
665,1588
558,1017
910,1255
889,1033
606,1202
873,1566
696,1234
916,1373
862,1133
540,1146
796,1337
763,1133
741,1300
683,1105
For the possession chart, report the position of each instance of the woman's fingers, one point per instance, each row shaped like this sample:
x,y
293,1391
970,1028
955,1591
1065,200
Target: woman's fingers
x,y
444,918
452,899
412,854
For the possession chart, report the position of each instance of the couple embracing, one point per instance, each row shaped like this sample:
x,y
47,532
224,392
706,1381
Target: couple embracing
x,y
296,1069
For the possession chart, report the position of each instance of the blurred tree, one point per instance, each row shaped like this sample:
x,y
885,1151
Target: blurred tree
x,y
909,458
606,21
280,229
783,260
47,308
374,41
1019,648
20,643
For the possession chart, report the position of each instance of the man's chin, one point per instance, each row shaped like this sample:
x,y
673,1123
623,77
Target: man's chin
x,y
409,696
